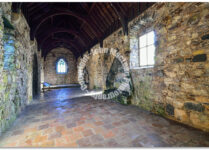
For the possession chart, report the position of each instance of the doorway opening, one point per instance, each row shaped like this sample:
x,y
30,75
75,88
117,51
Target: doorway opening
x,y
35,77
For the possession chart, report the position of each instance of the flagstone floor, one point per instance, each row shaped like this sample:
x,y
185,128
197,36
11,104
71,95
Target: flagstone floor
x,y
64,118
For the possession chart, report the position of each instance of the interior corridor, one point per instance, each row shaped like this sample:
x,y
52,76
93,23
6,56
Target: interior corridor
x,y
58,120
148,63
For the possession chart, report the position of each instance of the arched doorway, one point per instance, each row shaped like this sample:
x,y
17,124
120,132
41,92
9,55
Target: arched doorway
x,y
35,76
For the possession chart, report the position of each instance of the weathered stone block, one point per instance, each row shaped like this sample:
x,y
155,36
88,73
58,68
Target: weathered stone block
x,y
199,120
175,26
192,106
170,109
197,72
178,104
198,52
187,86
181,115
188,60
205,37
160,73
194,19
200,58
178,60
202,99
206,105
159,108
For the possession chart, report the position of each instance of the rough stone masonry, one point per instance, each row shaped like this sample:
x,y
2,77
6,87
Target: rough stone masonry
x,y
177,87
16,63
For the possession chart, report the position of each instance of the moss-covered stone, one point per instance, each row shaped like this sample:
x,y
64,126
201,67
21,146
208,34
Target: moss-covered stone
x,y
170,110
200,58
159,109
14,75
144,93
205,37
196,107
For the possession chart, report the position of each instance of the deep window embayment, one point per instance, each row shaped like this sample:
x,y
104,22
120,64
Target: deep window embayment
x,y
9,52
143,51
61,66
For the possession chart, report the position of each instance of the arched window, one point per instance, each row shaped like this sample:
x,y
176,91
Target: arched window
x,y
61,66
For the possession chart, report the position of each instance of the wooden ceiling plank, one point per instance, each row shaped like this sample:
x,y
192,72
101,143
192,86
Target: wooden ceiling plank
x,y
50,47
112,11
102,20
57,30
121,9
109,14
86,19
100,11
99,21
122,18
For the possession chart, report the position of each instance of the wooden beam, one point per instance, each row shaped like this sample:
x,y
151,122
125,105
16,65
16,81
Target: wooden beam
x,y
99,21
101,12
122,9
92,7
57,45
62,11
96,22
101,43
109,14
65,41
71,42
57,30
112,11
123,19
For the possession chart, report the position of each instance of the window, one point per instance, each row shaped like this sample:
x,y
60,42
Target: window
x,y
147,49
9,52
142,50
134,55
8,44
61,66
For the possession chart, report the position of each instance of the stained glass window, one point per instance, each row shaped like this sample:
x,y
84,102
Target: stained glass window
x,y
61,66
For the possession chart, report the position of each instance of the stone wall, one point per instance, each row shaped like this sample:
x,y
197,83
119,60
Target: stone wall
x,y
99,65
15,65
50,74
177,87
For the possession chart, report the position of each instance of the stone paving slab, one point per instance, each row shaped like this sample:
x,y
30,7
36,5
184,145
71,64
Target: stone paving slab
x,y
85,122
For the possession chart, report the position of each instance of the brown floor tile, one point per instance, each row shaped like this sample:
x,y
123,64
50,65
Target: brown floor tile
x,y
109,134
84,122
43,127
87,132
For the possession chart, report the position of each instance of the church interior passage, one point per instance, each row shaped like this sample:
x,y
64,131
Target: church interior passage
x,y
161,52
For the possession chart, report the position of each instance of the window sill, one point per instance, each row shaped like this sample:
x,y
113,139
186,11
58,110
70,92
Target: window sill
x,y
142,67
61,73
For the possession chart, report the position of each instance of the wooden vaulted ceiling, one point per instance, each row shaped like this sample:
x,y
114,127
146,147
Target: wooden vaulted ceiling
x,y
76,26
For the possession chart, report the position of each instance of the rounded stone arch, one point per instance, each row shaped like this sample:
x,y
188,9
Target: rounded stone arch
x,y
66,62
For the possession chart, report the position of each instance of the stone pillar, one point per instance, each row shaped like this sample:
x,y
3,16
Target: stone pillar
x,y
1,43
42,72
127,48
